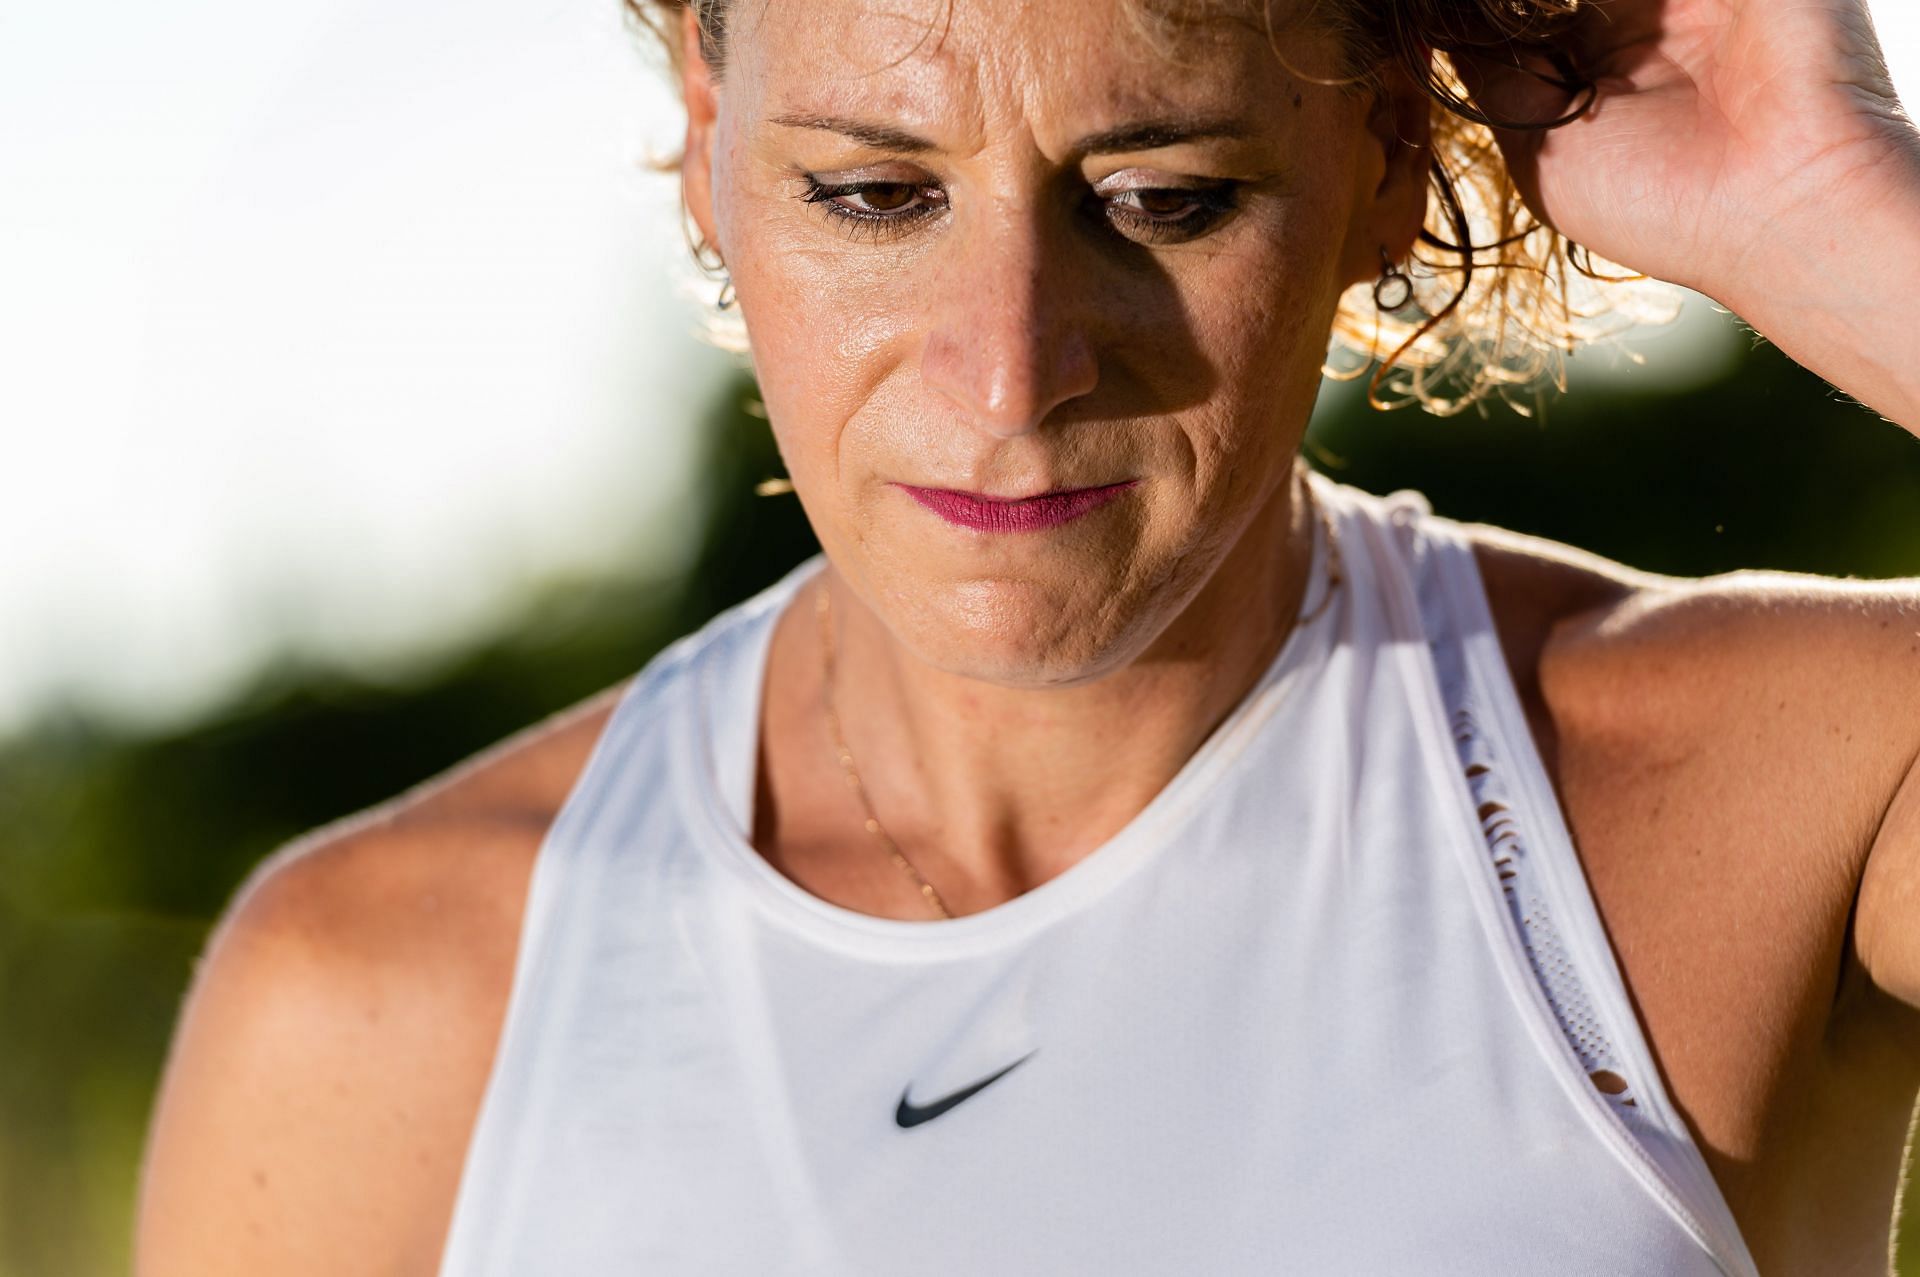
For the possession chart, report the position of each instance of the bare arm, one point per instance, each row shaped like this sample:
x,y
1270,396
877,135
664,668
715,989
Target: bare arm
x,y
1751,149
331,1057
1887,917
1755,150
1824,677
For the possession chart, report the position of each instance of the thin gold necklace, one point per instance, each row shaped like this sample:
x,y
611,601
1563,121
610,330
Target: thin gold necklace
x,y
823,610
845,755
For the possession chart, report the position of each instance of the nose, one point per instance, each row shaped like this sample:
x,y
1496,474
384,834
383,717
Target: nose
x,y
1009,341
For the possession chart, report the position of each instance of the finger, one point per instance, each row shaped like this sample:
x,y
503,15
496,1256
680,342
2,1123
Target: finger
x,y
1515,90
1541,70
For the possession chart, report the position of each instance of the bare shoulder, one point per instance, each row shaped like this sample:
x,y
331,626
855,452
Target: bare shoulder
x,y
1781,694
1735,757
332,1054
1638,651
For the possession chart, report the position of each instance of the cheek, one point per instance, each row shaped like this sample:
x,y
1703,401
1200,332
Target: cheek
x,y
1266,304
1262,313
823,339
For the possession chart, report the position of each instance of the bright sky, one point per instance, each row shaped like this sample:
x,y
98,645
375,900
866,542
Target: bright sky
x,y
331,327
325,326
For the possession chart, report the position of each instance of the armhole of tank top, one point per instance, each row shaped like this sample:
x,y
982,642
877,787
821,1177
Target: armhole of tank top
x,y
489,1186
1548,902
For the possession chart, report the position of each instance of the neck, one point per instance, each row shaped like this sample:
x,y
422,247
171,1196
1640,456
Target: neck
x,y
991,790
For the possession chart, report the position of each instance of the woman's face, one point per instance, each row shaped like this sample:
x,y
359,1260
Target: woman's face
x,y
993,249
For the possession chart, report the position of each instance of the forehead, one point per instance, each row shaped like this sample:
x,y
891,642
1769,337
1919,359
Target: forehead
x,y
946,65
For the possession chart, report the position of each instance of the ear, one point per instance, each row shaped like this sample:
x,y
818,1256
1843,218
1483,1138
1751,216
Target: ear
x,y
1399,135
703,108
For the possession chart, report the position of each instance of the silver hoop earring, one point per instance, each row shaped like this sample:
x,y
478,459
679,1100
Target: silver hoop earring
x,y
725,300
1394,288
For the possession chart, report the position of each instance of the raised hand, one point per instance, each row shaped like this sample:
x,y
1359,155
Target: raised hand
x,y
1722,133
1753,150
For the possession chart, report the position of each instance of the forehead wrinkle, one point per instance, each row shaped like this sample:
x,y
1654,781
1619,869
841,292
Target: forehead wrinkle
x,y
851,39
952,91
1070,77
958,73
911,26
904,112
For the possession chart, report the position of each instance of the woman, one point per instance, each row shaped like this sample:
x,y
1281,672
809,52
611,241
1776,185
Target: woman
x,y
1124,853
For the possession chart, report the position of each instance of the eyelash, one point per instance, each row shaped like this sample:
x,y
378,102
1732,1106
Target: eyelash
x,y
1210,205
872,225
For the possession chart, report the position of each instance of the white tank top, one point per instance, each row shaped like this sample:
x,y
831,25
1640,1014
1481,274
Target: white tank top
x,y
1331,1003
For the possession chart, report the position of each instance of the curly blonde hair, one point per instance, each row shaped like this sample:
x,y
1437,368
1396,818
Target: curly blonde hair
x,y
1494,298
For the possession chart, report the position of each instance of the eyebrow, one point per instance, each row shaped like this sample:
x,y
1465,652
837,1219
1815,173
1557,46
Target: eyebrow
x,y
1151,135
1143,135
880,137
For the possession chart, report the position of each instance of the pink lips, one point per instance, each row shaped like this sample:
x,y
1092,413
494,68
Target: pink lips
x,y
1022,514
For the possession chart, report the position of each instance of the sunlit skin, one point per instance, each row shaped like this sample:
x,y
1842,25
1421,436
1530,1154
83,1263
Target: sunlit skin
x,y
1017,700
948,283
1043,282
1735,756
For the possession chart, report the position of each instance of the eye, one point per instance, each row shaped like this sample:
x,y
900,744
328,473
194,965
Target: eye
x,y
881,197
873,209
1171,213
1167,205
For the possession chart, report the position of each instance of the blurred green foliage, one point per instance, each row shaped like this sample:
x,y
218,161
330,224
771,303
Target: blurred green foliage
x,y
117,852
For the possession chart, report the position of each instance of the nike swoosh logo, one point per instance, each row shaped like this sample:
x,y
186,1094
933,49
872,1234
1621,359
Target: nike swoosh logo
x,y
910,1114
